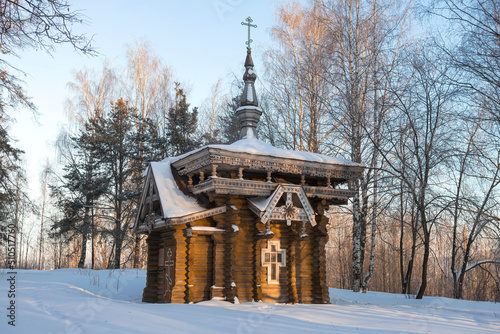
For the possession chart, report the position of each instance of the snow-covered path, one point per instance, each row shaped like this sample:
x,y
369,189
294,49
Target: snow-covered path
x,y
86,301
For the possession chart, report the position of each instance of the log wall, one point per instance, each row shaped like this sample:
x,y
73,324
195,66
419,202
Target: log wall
x,y
305,265
227,265
242,251
277,292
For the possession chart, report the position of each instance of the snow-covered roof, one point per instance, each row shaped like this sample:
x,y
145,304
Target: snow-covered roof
x,y
255,146
258,147
173,201
176,204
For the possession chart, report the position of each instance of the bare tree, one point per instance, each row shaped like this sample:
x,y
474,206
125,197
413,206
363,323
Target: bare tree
x,y
34,24
92,94
477,53
476,56
211,112
46,171
23,25
40,23
365,40
474,202
425,111
295,78
147,86
147,83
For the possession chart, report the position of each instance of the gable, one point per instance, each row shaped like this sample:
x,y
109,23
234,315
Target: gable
x,y
173,201
162,201
295,206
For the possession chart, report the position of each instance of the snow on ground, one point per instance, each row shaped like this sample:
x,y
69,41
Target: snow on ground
x,y
86,301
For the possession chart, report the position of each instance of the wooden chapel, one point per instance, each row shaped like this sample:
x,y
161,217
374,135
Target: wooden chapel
x,y
241,222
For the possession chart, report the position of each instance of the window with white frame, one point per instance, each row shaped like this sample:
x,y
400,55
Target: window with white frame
x,y
273,257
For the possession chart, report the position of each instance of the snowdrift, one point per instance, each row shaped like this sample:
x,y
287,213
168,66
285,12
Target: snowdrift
x,y
107,301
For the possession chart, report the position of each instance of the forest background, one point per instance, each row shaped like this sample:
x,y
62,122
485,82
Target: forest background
x,y
410,89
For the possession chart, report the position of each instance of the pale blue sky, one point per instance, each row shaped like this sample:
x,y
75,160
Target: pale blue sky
x,y
201,40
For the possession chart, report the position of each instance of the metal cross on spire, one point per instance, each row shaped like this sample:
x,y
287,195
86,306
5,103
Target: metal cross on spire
x,y
250,25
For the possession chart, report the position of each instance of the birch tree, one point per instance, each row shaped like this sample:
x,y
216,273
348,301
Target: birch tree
x,y
45,173
211,111
295,81
365,40
91,93
147,85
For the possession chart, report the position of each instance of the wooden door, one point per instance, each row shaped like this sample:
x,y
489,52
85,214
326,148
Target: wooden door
x,y
203,267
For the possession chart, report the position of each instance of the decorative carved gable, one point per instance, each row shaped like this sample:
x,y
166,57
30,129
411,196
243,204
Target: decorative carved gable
x,y
151,213
296,207
150,209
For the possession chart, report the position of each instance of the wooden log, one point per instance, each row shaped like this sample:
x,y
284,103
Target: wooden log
x,y
189,293
258,272
230,292
291,272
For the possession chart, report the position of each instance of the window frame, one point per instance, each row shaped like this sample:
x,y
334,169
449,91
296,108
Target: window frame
x,y
267,260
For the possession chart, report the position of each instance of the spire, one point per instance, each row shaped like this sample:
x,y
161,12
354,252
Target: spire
x,y
249,97
249,112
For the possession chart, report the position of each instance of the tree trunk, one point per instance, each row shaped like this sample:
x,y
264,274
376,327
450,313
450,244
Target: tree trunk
x,y
40,252
425,261
372,257
137,241
373,229
83,251
16,222
118,235
356,242
93,238
115,263
81,262
409,271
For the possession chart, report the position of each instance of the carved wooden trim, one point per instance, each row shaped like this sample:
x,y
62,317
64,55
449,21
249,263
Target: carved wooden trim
x,y
230,291
234,186
321,294
320,236
326,192
306,213
147,227
169,259
196,216
225,186
146,201
209,155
